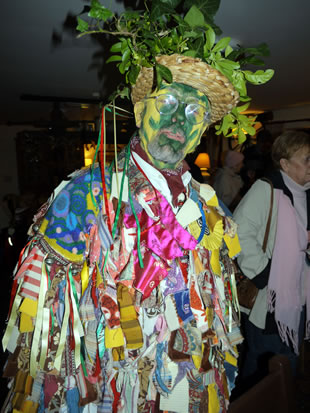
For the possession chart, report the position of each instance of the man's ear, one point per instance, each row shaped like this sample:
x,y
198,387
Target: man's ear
x,y
138,109
284,164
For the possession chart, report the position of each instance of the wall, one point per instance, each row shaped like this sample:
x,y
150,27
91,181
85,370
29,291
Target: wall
x,y
290,118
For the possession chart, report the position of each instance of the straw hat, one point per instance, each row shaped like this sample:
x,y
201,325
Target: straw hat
x,y
196,73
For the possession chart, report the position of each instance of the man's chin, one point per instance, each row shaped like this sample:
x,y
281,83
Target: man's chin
x,y
166,156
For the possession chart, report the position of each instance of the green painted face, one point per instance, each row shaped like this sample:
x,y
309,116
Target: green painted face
x,y
168,137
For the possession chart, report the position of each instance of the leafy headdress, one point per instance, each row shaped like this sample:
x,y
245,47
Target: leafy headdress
x,y
175,41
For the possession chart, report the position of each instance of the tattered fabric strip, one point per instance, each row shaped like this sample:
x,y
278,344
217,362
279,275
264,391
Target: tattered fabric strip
x,y
64,327
38,325
12,319
31,270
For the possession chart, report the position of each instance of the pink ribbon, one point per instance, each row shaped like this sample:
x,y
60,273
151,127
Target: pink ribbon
x,y
166,238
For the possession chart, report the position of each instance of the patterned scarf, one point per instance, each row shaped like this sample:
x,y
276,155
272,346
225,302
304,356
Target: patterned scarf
x,y
287,269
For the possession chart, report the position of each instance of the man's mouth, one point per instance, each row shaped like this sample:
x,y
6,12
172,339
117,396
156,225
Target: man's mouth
x,y
176,136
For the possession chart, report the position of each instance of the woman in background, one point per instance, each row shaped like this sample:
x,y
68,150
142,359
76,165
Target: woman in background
x,y
275,324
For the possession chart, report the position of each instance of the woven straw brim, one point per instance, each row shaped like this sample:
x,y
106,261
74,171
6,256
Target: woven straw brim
x,y
197,74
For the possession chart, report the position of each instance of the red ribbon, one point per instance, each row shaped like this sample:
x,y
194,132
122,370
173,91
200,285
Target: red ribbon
x,y
93,288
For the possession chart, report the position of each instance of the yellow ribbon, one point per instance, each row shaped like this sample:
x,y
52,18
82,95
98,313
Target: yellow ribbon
x,y
233,245
99,279
231,359
25,323
215,262
114,337
213,405
84,276
197,359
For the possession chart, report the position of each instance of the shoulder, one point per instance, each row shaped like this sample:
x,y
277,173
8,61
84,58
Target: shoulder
x,y
72,212
255,201
259,188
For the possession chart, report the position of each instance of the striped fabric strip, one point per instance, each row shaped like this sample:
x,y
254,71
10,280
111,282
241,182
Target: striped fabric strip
x,y
104,233
31,271
81,383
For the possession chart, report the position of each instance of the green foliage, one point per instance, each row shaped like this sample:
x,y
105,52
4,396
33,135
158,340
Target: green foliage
x,y
183,27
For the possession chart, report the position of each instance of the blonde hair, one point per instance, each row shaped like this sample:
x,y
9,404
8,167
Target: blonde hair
x,y
287,144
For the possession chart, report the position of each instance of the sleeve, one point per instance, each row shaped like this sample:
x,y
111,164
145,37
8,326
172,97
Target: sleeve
x,y
251,217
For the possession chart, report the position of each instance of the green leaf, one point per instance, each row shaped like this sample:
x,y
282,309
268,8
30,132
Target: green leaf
x,y
97,11
123,67
241,136
228,50
159,8
210,38
221,44
116,47
259,77
239,83
82,25
114,58
124,45
194,17
131,14
243,108
191,53
162,73
133,74
252,60
207,7
192,34
198,46
225,125
249,129
126,55
244,98
243,118
228,64
234,55
224,70
260,50
171,3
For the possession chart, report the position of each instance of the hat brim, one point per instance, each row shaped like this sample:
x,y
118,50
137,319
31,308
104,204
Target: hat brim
x,y
195,73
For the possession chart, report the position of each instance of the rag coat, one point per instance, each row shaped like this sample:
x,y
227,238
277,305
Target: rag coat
x,y
122,300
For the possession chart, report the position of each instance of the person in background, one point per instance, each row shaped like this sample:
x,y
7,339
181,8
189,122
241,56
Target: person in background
x,y
227,181
275,324
257,160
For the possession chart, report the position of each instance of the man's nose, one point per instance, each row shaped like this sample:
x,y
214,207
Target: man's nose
x,y
179,115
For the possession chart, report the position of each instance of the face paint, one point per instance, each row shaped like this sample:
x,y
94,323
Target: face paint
x,y
167,139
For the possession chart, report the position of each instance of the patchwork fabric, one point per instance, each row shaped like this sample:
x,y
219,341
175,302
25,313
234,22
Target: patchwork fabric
x,y
73,213
143,322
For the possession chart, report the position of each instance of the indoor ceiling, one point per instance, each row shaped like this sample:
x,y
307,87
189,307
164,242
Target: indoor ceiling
x,y
42,56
